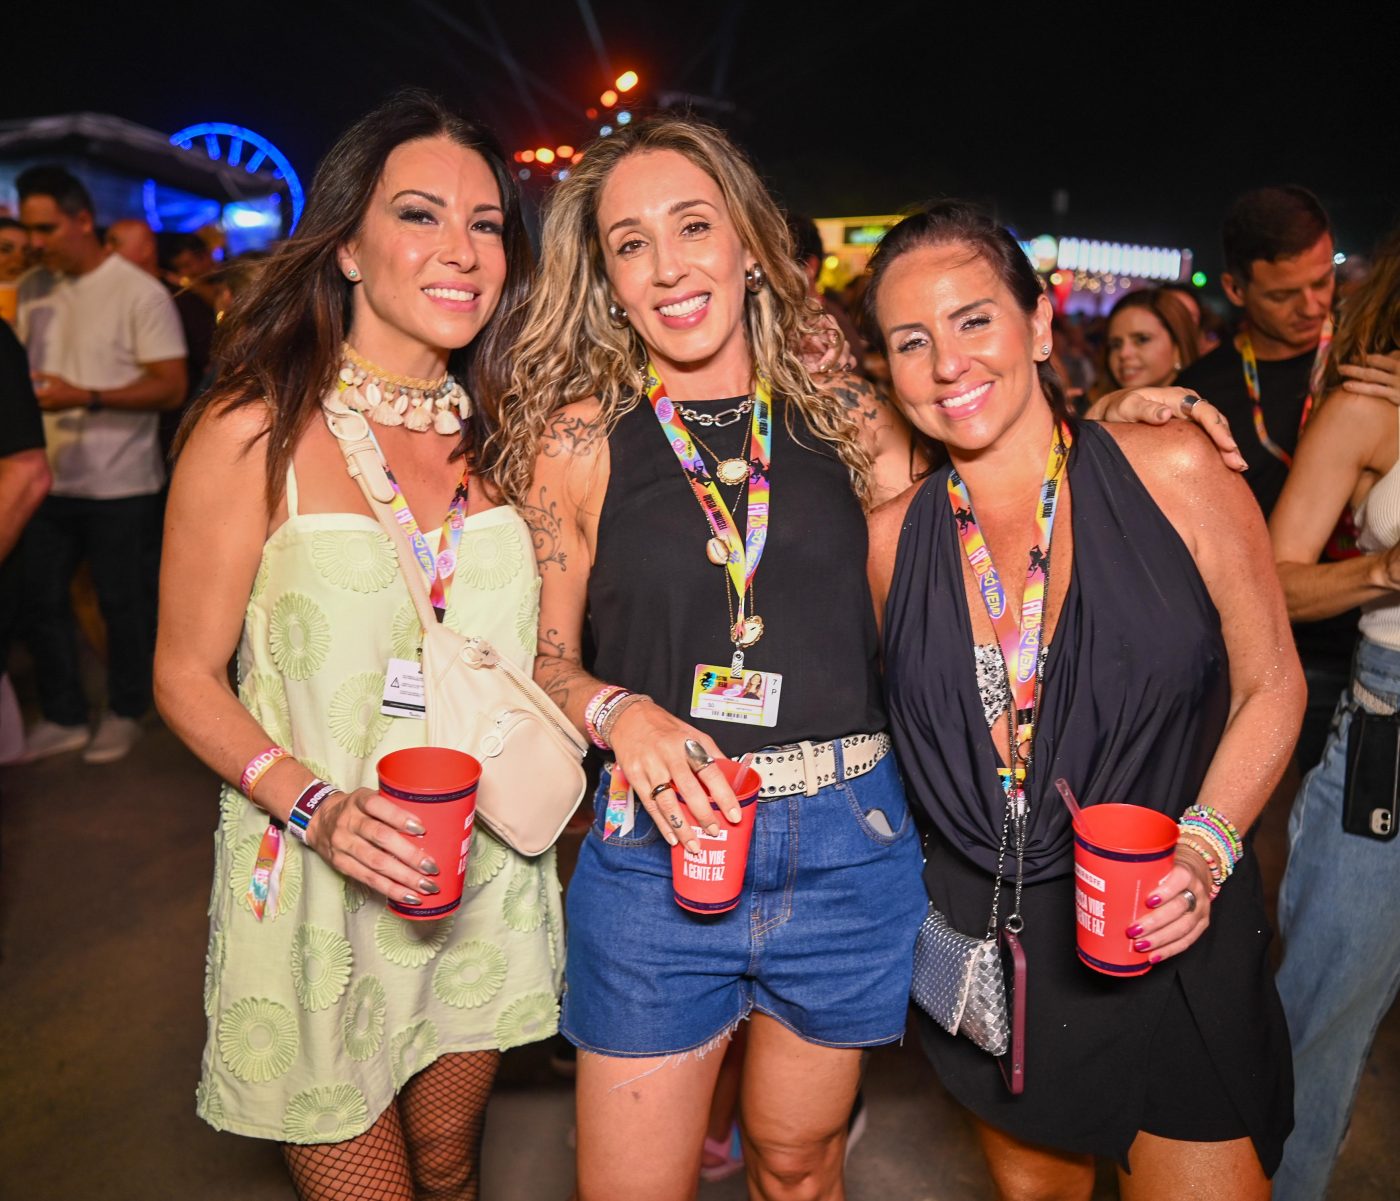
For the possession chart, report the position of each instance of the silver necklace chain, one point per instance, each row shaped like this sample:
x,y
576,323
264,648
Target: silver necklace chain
x,y
722,418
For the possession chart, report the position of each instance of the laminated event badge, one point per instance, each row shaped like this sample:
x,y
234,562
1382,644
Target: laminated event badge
x,y
621,813
725,694
404,694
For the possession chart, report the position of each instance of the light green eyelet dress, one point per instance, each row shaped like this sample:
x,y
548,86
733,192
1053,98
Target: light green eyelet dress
x,y
318,1015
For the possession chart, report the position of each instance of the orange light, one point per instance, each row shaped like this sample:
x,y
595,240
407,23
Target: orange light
x,y
545,155
608,98
626,81
526,156
520,156
565,151
577,157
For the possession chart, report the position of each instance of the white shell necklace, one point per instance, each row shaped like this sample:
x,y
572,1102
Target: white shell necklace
x,y
419,404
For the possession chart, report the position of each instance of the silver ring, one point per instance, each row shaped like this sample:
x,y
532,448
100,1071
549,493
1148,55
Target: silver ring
x,y
1190,900
696,755
660,788
1188,404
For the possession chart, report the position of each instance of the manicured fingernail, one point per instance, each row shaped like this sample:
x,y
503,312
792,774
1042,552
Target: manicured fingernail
x,y
1153,901
414,826
1142,945
1163,414
712,829
693,846
428,886
1154,959
734,814
668,836
1134,931
409,899
428,866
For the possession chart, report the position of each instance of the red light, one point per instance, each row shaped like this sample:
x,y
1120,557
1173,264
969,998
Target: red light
x,y
608,98
591,113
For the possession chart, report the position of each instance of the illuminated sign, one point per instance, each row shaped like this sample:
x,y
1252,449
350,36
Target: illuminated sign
x,y
239,146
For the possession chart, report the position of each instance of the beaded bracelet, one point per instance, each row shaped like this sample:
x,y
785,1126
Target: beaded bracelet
x,y
258,766
609,719
1205,815
1214,840
1186,842
305,806
590,714
602,718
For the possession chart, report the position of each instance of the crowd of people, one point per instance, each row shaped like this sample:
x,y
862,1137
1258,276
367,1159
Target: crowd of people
x,y
888,455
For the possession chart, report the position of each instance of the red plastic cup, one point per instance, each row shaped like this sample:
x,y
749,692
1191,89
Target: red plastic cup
x,y
710,879
1121,852
438,786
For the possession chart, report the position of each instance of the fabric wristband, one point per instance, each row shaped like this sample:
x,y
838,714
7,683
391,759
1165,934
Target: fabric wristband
x,y
258,766
304,809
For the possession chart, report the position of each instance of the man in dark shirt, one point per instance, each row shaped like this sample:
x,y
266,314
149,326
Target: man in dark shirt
x,y
1278,269
24,481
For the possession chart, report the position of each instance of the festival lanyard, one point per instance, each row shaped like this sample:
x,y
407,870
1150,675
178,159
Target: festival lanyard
x,y
1251,385
440,569
1020,642
744,556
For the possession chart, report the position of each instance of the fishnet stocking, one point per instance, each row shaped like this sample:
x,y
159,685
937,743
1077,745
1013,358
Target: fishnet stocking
x,y
443,1110
424,1147
372,1167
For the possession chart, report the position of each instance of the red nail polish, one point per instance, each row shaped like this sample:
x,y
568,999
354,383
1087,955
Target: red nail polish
x,y
1153,901
1134,931
1142,945
1154,959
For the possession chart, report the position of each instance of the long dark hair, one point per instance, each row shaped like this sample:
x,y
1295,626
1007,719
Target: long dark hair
x,y
951,222
281,341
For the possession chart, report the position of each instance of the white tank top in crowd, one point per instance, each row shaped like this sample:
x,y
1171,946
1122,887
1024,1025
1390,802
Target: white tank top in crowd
x,y
1378,524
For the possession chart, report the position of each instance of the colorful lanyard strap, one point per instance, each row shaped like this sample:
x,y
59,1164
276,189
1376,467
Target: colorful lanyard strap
x,y
439,569
1251,385
745,554
1020,641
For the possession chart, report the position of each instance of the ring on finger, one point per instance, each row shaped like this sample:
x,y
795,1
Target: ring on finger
x,y
1188,404
696,755
665,786
1191,901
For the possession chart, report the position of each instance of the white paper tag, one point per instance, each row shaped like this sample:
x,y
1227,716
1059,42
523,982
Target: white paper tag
x,y
403,690
747,697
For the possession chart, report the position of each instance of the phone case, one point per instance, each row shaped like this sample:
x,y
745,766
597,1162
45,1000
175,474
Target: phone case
x,y
1372,776
1013,964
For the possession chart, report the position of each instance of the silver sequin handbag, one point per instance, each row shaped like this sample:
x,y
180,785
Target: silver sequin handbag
x,y
958,983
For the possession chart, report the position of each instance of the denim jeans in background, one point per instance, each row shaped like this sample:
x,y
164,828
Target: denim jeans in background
x,y
1341,965
117,539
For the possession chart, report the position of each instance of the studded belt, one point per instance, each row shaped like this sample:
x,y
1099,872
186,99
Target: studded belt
x,y
807,766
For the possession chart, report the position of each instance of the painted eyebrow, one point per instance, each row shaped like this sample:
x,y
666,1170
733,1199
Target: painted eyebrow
x,y
679,207
428,196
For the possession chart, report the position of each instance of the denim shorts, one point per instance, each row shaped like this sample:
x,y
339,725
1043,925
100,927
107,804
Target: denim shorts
x,y
822,939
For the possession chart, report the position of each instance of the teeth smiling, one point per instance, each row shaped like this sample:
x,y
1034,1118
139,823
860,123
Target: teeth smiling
x,y
450,294
685,307
958,402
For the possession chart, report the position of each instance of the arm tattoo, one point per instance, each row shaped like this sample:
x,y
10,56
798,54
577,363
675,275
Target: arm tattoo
x,y
557,675
546,529
857,395
566,435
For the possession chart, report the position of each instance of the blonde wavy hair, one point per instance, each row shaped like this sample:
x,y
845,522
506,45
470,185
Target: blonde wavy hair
x,y
569,350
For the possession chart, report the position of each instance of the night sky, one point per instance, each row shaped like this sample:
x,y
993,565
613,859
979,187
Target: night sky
x,y
1151,116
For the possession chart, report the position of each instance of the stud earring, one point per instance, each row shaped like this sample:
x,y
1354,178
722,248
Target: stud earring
x,y
353,274
1045,350
1176,363
754,279
617,315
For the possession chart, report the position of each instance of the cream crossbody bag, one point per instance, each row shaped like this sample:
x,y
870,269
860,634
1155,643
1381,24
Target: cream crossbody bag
x,y
477,700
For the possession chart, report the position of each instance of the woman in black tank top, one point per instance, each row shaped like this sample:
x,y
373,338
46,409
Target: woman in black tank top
x,y
1170,681
652,498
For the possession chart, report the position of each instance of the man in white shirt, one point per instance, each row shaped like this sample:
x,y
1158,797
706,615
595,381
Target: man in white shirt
x,y
107,355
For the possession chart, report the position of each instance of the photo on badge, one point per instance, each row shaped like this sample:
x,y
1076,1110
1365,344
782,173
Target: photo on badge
x,y
747,697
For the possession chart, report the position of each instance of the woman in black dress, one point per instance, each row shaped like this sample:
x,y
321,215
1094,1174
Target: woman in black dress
x,y
1168,680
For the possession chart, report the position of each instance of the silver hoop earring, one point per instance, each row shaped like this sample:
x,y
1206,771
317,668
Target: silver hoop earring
x,y
617,315
353,274
754,279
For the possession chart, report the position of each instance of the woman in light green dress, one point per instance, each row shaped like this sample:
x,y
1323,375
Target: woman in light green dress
x,y
364,1042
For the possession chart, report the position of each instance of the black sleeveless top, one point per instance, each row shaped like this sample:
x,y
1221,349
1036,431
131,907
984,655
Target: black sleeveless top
x,y
1137,686
657,605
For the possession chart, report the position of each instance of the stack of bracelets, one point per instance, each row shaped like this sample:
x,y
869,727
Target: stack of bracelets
x,y
1212,836
602,712
311,798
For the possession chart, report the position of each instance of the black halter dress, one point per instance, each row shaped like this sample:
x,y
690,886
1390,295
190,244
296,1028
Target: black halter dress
x,y
1135,698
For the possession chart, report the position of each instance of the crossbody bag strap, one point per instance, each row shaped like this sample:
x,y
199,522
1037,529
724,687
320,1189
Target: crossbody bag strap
x,y
351,432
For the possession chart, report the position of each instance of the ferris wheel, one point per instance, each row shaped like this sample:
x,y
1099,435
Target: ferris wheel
x,y
239,146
